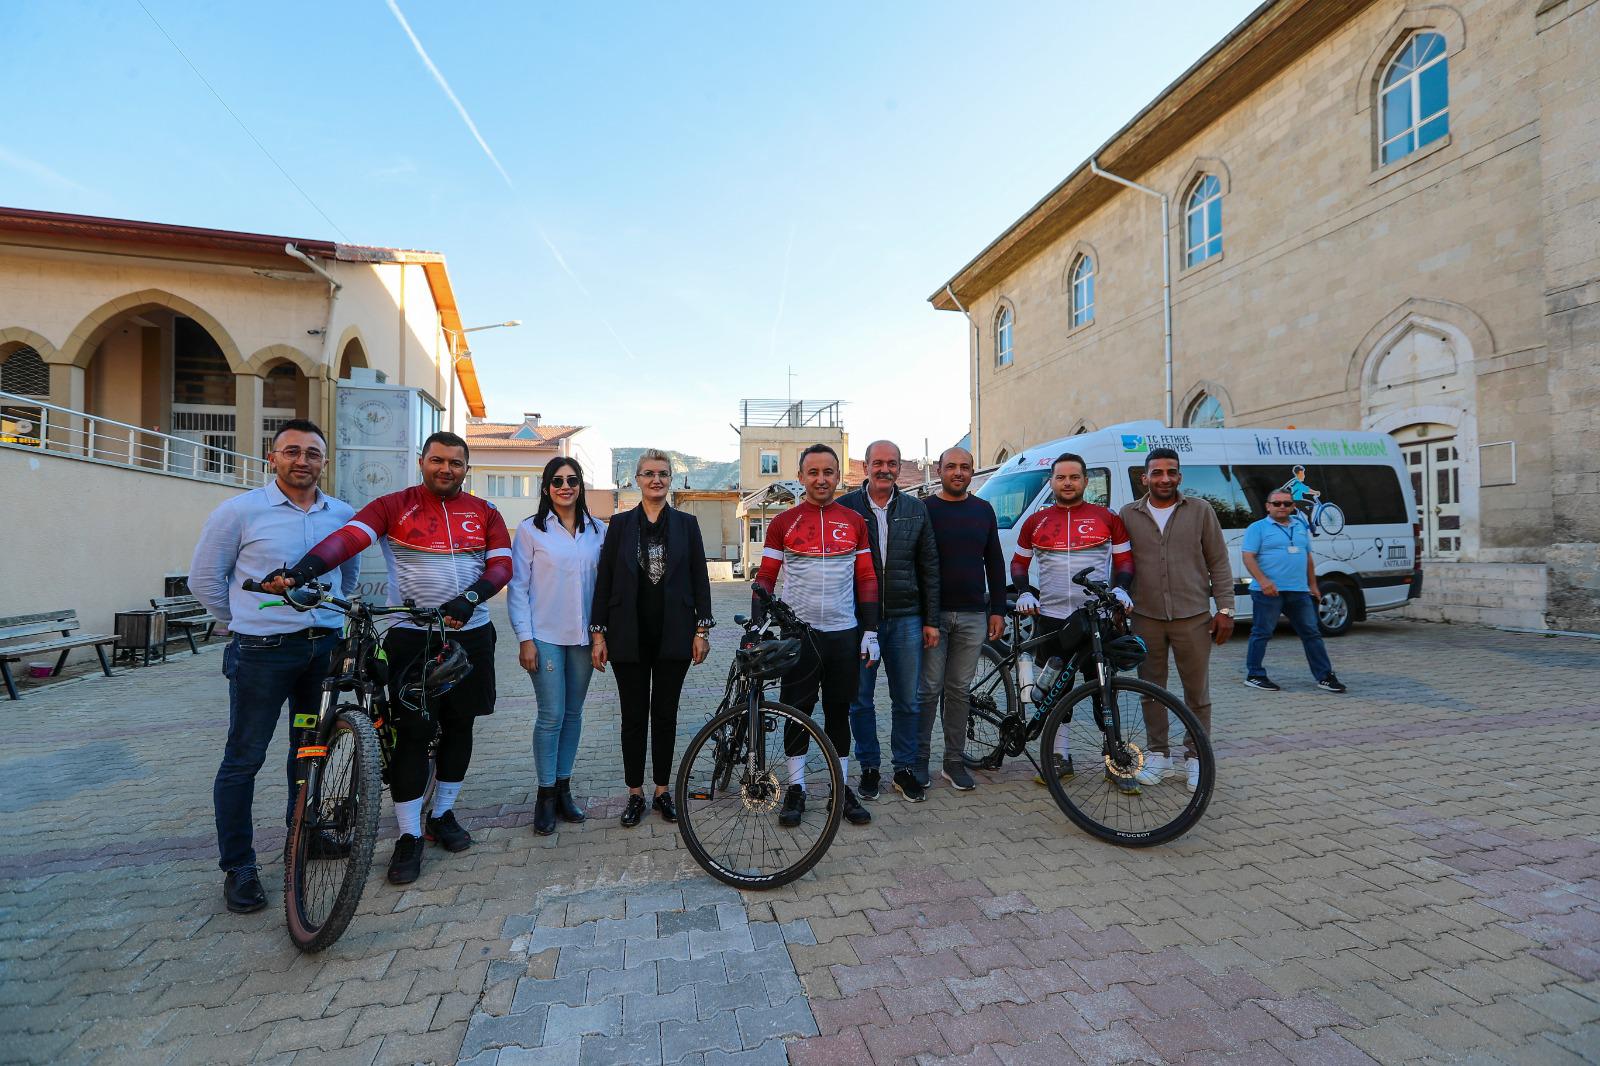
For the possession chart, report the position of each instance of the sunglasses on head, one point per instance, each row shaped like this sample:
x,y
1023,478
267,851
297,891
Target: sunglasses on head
x,y
571,481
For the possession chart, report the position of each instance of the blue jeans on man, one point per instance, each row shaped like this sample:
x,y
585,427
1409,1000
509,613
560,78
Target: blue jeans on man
x,y
900,644
1301,610
559,686
263,673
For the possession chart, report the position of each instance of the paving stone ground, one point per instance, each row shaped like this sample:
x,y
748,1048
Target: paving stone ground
x,y
1407,873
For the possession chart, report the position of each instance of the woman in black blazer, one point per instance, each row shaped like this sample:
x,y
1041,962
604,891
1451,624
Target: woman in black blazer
x,y
651,618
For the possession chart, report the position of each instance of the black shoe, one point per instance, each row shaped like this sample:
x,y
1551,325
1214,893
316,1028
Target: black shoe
x,y
923,777
1332,684
325,844
1262,681
633,812
957,775
905,783
663,803
242,890
972,762
869,783
405,865
544,812
1124,784
566,808
446,832
794,805
854,813
1062,767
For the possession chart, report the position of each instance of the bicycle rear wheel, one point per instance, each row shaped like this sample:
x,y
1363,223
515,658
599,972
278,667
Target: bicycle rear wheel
x,y
728,816
329,850
1104,798
992,698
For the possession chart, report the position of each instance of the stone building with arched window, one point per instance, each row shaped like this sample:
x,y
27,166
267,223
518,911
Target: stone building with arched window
x,y
1383,215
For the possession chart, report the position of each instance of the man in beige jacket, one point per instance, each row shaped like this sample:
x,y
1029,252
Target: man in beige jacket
x,y
1180,564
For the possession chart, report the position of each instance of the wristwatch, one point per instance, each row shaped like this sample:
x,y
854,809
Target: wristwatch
x,y
471,597
1225,610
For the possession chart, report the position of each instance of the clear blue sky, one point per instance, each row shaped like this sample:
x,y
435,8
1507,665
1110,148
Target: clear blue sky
x,y
684,159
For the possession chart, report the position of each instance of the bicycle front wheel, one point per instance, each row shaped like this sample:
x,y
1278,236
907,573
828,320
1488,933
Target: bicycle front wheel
x,y
728,811
1117,792
329,850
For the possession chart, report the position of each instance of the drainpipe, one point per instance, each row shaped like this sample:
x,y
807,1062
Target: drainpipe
x,y
325,363
977,393
1166,273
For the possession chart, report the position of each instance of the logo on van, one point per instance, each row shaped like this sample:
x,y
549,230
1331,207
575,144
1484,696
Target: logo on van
x,y
1143,442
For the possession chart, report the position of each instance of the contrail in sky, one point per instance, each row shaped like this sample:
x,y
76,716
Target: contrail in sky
x,y
461,109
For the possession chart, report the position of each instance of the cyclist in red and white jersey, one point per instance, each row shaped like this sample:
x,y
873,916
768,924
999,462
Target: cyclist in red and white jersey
x,y
824,553
445,549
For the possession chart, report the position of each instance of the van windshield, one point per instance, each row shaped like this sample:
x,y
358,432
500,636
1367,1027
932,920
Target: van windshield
x,y
1011,494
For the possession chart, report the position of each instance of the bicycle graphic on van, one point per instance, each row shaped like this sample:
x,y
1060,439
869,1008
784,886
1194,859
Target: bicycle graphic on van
x,y
1318,514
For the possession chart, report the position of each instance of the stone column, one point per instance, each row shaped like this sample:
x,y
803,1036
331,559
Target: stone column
x,y
247,418
67,389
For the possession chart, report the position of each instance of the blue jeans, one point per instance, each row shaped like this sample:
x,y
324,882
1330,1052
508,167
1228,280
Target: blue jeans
x,y
263,673
559,686
1301,610
900,644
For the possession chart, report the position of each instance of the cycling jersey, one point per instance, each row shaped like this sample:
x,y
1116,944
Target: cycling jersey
x,y
1067,539
828,576
436,549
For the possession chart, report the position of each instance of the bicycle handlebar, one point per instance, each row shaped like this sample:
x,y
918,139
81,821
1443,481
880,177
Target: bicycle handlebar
x,y
324,598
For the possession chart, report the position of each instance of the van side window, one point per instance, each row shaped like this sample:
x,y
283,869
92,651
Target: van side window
x,y
1368,495
1099,488
1214,484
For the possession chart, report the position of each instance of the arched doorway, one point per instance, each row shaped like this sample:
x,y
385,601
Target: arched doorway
x,y
352,356
25,376
285,395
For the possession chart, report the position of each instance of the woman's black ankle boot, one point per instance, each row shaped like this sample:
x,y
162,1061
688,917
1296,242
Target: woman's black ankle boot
x,y
544,812
565,806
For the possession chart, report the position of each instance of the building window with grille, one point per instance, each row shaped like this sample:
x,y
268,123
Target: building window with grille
x,y
1414,102
1004,323
769,464
1083,291
1205,413
1203,221
23,373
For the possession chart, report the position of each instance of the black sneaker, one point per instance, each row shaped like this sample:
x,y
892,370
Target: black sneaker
x,y
446,832
905,783
1124,784
242,891
869,783
405,865
1332,684
325,844
854,813
1262,681
1063,769
794,805
957,775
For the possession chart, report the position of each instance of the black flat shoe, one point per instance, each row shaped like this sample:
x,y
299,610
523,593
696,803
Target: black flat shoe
x,y
544,812
663,803
566,808
633,812
242,891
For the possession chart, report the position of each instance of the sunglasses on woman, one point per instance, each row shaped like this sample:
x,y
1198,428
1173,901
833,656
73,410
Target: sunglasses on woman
x,y
571,481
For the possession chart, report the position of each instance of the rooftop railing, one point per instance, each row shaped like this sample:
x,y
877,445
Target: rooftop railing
x,y
792,413
31,424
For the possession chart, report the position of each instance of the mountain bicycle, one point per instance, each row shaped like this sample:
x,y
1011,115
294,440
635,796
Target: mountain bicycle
x,y
734,773
344,752
1116,792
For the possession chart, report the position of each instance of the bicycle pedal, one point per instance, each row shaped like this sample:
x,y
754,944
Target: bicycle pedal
x,y
700,796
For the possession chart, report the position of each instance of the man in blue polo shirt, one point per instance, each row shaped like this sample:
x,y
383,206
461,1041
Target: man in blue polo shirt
x,y
1277,552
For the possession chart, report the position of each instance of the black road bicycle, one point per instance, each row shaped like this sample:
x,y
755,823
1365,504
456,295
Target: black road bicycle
x,y
736,770
344,752
1108,784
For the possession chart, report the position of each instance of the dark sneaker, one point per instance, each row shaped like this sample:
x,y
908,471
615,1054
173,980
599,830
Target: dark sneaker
x,y
242,891
1332,684
663,804
869,783
405,865
905,783
446,832
633,811
327,845
1125,785
923,777
854,813
957,775
1262,681
1063,770
794,805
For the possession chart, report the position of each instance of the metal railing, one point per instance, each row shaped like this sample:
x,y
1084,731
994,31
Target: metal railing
x,y
793,413
28,422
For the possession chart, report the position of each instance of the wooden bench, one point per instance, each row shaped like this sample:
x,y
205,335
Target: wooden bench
x,y
35,625
185,614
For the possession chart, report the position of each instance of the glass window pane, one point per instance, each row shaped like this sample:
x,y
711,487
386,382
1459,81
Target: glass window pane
x,y
1432,131
1434,89
1427,46
1196,228
1396,110
1214,216
1214,246
1399,148
1011,494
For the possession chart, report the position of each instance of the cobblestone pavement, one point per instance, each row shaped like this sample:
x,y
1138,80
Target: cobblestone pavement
x,y
1409,872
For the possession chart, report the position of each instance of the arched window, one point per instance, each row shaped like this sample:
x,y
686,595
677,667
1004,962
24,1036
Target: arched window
x,y
1203,221
1083,291
1415,98
1003,323
1205,413
1001,456
24,373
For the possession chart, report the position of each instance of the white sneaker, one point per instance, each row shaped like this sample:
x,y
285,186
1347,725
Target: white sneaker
x,y
1192,770
1155,769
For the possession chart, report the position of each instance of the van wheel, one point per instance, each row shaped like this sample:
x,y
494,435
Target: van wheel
x,y
1336,610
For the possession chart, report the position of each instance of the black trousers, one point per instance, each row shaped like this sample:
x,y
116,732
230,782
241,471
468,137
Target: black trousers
x,y
649,692
474,695
829,666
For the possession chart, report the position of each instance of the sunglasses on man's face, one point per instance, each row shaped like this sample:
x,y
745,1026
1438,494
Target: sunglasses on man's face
x,y
1280,503
571,481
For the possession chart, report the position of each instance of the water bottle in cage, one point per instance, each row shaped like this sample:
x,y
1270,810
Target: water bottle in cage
x,y
1044,688
1025,677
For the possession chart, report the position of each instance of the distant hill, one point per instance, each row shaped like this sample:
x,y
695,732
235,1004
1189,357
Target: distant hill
x,y
702,473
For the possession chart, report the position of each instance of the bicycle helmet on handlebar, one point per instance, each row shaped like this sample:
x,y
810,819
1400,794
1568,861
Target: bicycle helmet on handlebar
x,y
433,675
1126,652
771,658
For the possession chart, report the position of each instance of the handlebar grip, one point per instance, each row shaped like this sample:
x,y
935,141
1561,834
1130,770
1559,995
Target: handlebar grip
x,y
251,585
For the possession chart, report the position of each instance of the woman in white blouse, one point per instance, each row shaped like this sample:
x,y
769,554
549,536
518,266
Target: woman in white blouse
x,y
553,558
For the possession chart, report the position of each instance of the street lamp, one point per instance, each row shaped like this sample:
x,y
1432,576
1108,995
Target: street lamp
x,y
1166,274
495,325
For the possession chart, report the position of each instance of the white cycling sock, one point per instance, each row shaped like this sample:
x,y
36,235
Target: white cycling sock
x,y
409,815
444,796
797,770
844,770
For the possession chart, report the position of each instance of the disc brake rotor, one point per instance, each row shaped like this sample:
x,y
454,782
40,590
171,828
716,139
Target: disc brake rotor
x,y
1135,763
761,794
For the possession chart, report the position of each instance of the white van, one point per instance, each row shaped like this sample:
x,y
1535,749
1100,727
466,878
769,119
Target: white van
x,y
1357,495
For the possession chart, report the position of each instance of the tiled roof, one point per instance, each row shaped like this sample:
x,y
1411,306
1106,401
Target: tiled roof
x,y
499,435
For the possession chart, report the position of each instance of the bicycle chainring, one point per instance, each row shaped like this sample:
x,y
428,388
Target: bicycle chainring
x,y
1013,735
